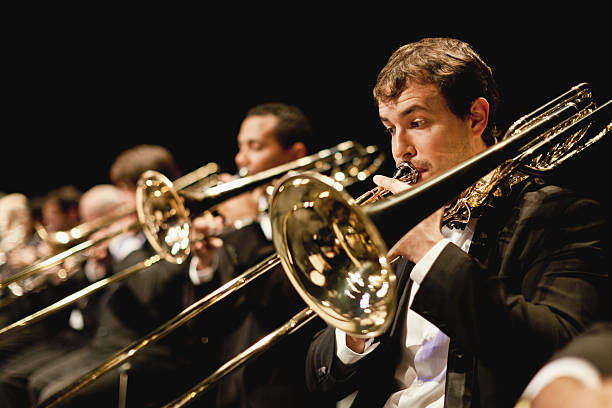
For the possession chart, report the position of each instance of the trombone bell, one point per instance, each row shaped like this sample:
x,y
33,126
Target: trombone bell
x,y
333,254
164,220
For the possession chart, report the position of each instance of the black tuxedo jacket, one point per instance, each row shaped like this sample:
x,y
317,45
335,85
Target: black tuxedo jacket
x,y
127,311
276,377
132,308
533,279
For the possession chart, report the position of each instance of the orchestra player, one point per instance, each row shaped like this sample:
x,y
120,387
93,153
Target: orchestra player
x,y
483,305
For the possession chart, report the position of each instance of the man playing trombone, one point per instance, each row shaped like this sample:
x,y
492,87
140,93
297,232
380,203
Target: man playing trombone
x,y
483,304
270,135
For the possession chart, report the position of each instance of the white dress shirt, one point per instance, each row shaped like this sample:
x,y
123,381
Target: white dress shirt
x,y
421,369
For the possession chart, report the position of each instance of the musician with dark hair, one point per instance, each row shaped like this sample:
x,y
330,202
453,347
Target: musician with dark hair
x,y
271,134
75,325
126,311
483,302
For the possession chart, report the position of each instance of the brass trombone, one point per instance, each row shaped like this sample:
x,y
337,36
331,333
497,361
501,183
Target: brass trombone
x,y
334,251
203,177
165,220
65,244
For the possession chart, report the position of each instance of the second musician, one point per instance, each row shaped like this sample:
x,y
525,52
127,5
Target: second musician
x,y
270,135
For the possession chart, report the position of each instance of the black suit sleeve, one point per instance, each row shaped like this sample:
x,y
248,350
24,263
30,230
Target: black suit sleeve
x,y
142,302
594,345
545,288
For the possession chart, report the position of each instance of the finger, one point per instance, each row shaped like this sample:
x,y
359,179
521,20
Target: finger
x,y
225,177
215,242
197,245
206,243
391,184
207,224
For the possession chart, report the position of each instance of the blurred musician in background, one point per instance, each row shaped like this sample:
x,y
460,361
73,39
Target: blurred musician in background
x,y
481,307
128,310
60,209
18,240
270,135
79,322
19,246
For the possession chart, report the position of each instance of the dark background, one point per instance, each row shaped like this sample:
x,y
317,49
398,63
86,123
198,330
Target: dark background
x,y
78,91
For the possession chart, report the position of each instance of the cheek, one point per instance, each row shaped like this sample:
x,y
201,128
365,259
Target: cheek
x,y
265,160
433,150
448,149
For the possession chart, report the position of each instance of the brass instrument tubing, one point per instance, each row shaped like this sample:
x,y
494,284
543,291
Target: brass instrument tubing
x,y
187,314
57,259
195,176
180,183
295,323
288,328
405,172
214,195
86,228
86,291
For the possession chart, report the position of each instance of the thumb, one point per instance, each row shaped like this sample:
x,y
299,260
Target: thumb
x,y
391,184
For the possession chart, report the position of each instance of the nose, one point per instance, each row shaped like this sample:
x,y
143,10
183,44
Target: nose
x,y
402,147
240,159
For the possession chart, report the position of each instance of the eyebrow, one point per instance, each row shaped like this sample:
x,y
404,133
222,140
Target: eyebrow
x,y
407,111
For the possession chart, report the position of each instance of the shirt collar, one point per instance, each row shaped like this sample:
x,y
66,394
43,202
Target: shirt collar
x,y
123,245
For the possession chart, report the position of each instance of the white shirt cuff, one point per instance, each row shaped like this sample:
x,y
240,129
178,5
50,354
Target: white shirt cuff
x,y
348,356
420,269
90,270
572,367
201,276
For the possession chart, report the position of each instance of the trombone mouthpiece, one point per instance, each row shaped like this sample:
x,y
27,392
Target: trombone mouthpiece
x,y
406,172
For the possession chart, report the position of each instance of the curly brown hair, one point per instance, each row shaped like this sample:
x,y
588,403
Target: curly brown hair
x,y
453,66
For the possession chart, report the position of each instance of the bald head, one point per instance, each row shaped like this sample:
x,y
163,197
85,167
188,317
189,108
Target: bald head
x,y
100,200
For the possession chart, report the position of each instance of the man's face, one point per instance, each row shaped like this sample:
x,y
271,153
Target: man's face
x,y
54,219
425,132
258,148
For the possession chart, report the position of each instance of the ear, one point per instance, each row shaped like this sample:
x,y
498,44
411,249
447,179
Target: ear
x,y
479,116
299,150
